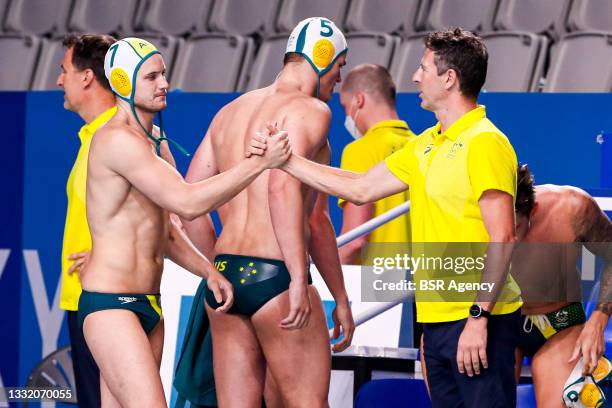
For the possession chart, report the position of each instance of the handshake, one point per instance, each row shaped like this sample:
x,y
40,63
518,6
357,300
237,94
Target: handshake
x,y
272,145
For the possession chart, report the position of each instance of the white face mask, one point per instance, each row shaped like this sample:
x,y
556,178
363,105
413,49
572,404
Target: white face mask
x,y
351,127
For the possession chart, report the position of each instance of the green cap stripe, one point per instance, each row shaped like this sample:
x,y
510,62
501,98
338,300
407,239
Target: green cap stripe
x,y
301,41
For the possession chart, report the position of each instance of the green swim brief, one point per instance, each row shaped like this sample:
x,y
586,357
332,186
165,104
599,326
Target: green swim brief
x,y
146,307
255,280
537,329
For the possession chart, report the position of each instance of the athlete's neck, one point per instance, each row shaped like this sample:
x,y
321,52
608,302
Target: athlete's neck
x,y
96,105
145,117
299,77
455,107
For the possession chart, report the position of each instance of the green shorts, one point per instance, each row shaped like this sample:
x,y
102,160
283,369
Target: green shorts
x,y
146,307
255,280
537,329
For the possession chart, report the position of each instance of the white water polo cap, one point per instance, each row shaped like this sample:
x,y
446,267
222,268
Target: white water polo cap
x,y
122,62
319,41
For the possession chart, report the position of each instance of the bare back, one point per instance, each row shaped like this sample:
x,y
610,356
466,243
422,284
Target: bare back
x,y
129,231
247,224
544,261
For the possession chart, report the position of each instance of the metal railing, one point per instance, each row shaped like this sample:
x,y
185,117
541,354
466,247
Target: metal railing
x,y
605,203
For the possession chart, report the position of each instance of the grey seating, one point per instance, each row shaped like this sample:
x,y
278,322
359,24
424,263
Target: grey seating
x,y
48,67
591,15
108,16
293,11
473,15
55,371
382,15
243,16
20,53
3,10
37,16
581,62
406,60
165,16
371,48
211,63
516,60
538,16
268,62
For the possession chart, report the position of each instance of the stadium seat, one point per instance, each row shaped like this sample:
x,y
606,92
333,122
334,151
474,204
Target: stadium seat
x,y
590,15
516,60
568,71
163,16
48,67
372,48
16,71
109,16
55,371
395,16
393,393
37,16
211,63
293,11
405,62
243,17
473,15
268,62
525,396
3,9
537,16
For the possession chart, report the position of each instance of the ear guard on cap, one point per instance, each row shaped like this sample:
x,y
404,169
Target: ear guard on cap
x,y
121,64
319,41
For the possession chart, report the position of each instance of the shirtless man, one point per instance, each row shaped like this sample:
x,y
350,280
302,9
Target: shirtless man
x,y
555,331
130,192
276,327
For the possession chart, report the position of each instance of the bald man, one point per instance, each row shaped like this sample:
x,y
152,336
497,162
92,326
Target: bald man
x,y
368,98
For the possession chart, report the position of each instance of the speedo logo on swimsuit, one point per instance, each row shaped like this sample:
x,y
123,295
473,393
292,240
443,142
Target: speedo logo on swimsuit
x,y
126,299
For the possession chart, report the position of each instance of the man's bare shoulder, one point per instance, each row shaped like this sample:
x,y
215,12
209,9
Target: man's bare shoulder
x,y
577,207
569,197
116,140
305,105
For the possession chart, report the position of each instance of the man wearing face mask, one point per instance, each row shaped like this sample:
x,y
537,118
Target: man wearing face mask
x,y
368,98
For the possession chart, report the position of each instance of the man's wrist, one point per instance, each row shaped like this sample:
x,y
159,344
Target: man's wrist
x,y
477,312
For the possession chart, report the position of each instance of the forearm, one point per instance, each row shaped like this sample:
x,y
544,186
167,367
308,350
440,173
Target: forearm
x,y
604,303
287,214
182,252
496,268
201,233
329,180
324,254
207,195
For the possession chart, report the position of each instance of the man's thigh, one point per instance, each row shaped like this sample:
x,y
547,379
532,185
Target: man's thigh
x,y
496,385
123,353
86,373
550,368
299,360
238,361
493,387
439,349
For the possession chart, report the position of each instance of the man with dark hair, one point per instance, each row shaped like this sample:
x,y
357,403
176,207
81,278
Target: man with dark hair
x,y
368,98
462,178
555,331
87,93
276,333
